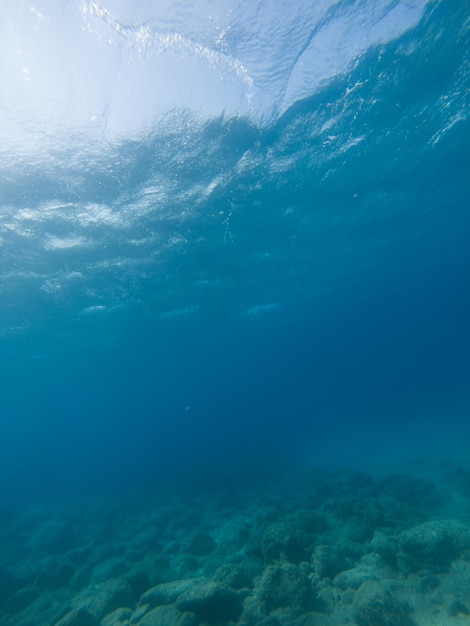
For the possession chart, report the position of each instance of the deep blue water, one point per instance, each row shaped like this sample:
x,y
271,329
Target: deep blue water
x,y
241,291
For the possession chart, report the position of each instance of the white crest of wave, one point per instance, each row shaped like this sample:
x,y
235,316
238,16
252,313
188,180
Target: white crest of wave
x,y
88,73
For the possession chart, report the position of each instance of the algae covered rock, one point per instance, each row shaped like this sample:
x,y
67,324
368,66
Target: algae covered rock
x,y
353,578
273,542
375,605
168,616
201,544
52,537
78,617
20,599
119,617
106,597
281,541
167,593
386,547
328,561
56,572
285,586
111,568
211,601
254,611
413,493
432,545
233,575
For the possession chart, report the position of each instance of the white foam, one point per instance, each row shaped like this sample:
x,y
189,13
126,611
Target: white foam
x,y
53,242
184,311
262,309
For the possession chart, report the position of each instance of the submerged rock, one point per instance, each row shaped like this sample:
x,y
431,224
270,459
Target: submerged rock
x,y
233,575
168,616
167,593
279,541
328,561
353,578
111,568
53,536
106,597
417,494
201,544
211,601
254,611
386,547
80,555
20,599
285,586
119,617
432,545
55,573
359,509
375,605
78,617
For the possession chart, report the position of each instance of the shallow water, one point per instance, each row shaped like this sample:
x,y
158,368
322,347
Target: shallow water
x,y
319,547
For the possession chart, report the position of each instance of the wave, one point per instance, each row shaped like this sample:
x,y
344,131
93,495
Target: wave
x,y
315,162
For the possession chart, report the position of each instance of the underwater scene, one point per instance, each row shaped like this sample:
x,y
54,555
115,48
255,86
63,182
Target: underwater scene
x,y
235,313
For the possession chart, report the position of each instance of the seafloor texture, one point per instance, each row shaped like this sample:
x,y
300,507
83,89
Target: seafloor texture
x,y
316,549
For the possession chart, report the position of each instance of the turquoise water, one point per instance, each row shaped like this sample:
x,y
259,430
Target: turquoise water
x,y
227,285
234,242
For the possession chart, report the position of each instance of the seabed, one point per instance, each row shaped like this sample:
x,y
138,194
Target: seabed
x,y
316,548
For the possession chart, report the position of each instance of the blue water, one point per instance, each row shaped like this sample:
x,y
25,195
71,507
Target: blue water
x,y
244,282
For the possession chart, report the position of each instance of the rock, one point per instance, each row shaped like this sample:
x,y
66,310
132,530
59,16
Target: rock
x,y
211,601
357,532
311,619
138,579
145,574
280,541
19,600
253,567
78,556
386,547
167,593
271,620
52,536
78,617
412,493
311,522
119,617
353,578
328,561
168,616
375,605
139,613
8,583
254,611
174,547
367,511
112,568
432,545
55,573
428,583
186,567
459,607
201,544
106,597
233,575
232,535
285,586
273,542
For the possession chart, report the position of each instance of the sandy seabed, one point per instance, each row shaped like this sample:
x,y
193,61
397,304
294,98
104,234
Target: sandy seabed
x,y
317,548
